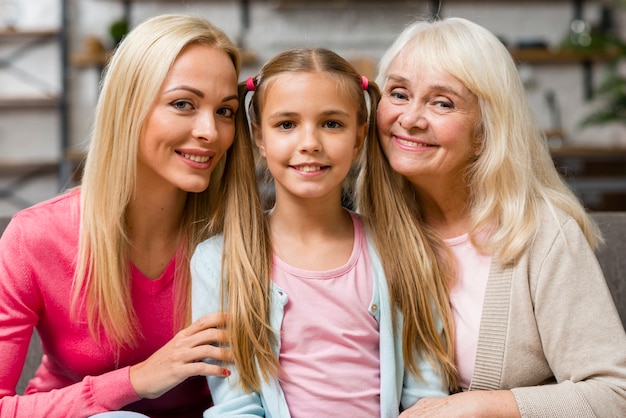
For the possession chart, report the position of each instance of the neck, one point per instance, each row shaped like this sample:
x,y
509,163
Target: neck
x,y
154,227
445,209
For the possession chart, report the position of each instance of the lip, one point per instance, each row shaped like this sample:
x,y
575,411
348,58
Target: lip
x,y
309,169
411,144
195,158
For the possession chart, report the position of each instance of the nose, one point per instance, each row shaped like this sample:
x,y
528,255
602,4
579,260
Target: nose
x,y
205,127
413,117
309,141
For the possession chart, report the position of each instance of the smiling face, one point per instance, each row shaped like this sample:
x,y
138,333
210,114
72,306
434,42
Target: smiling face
x,y
191,123
427,122
308,134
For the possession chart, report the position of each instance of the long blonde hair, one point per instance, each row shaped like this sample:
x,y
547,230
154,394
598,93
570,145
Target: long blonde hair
x,y
513,175
132,80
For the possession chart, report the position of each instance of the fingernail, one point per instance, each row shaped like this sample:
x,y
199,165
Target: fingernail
x,y
225,372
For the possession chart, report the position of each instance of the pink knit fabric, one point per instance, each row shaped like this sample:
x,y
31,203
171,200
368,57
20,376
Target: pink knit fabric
x,y
78,376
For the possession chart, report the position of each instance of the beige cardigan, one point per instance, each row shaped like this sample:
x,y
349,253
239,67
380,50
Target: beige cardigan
x,y
550,330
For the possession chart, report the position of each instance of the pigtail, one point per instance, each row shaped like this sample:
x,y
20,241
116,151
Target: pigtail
x,y
246,269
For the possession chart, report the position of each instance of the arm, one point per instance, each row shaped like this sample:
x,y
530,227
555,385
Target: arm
x,y
486,404
430,385
229,398
28,297
21,302
563,327
581,335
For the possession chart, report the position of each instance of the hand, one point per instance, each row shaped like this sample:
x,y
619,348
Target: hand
x,y
498,403
182,357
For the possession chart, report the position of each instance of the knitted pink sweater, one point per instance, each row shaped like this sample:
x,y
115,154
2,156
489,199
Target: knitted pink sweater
x,y
78,376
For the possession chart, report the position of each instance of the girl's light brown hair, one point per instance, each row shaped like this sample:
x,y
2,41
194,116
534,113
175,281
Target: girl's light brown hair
x,y
248,302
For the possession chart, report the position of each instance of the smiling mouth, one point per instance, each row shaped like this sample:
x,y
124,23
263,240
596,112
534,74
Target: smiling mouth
x,y
196,158
308,168
413,144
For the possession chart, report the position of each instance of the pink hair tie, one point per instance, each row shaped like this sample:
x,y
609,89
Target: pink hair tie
x,y
250,84
364,82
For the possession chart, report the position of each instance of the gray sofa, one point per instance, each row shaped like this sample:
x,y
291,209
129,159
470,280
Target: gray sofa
x,y
612,257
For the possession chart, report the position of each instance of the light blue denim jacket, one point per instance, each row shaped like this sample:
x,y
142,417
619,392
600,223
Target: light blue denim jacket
x,y
397,388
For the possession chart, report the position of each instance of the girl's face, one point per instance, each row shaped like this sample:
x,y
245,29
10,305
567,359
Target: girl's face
x,y
191,123
308,133
427,124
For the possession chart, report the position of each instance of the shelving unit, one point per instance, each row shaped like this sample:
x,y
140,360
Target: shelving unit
x,y
43,96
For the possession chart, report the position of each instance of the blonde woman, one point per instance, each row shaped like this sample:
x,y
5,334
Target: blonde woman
x,y
102,271
537,333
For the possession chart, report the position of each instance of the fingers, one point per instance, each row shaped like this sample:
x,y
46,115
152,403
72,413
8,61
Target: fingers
x,y
212,320
206,369
208,329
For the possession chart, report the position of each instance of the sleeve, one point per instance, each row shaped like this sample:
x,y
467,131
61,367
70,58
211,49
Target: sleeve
x,y
229,399
20,302
429,384
582,337
414,388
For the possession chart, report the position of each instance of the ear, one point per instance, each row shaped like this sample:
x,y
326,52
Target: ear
x,y
258,138
361,133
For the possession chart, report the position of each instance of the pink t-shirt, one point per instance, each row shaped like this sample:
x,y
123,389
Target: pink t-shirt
x,y
466,301
78,376
329,350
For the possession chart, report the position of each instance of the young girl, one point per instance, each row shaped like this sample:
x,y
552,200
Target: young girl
x,y
319,337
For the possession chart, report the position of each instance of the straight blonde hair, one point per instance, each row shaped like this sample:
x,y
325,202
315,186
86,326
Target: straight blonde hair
x,y
513,175
131,82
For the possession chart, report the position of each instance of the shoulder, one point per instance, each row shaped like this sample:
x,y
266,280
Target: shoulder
x,y
63,208
211,246
559,238
554,224
56,219
208,254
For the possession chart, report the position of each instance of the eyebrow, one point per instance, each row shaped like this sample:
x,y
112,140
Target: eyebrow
x,y
199,93
439,87
331,112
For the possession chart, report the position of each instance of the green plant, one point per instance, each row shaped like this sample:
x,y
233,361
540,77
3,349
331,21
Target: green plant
x,y
610,95
118,30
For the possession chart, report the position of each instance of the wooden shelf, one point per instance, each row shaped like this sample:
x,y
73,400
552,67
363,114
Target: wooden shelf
x,y
8,103
582,151
15,167
547,56
16,33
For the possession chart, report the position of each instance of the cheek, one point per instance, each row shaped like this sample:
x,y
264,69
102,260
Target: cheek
x,y
384,116
227,136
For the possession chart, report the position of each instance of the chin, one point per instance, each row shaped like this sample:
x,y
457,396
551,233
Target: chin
x,y
195,187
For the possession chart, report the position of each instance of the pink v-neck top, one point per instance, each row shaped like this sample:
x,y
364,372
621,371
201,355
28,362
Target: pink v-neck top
x,y
78,376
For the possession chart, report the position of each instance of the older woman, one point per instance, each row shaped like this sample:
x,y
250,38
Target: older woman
x,y
536,330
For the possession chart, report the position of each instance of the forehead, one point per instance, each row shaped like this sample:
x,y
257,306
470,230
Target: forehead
x,y
302,85
424,72
200,60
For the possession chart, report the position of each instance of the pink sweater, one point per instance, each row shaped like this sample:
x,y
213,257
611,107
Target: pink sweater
x,y
77,377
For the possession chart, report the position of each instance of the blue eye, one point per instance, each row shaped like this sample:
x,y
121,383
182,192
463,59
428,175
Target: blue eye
x,y
182,105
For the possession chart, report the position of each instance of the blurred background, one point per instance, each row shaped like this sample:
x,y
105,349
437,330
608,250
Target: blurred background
x,y
570,55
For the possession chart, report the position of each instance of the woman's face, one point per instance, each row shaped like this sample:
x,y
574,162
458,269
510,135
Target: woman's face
x,y
191,123
427,124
